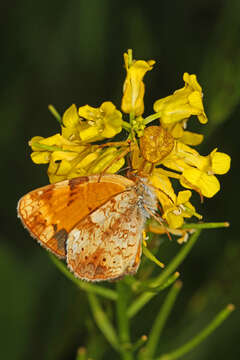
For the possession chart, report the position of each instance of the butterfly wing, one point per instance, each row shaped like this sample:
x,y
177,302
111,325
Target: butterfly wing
x,y
51,212
106,244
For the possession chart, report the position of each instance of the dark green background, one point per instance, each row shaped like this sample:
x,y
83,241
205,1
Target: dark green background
x,y
65,52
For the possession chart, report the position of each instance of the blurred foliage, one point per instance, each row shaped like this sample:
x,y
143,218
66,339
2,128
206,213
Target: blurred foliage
x,y
63,53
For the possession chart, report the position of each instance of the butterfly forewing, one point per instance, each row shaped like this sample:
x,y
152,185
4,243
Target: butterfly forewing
x,y
51,212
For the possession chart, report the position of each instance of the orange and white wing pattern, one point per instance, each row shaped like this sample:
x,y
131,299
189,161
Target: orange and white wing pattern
x,y
95,222
106,244
51,212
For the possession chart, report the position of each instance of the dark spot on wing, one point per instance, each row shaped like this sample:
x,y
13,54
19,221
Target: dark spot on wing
x,y
47,194
70,202
76,181
55,227
61,237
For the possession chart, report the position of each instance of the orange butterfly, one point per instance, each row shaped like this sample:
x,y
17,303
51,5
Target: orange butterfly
x,y
94,222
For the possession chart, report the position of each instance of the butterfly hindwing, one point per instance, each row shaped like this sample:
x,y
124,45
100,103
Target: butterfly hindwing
x,y
107,243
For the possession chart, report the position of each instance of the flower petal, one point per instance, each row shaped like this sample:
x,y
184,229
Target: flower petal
x,y
220,162
133,88
207,185
174,221
191,138
40,157
70,117
183,196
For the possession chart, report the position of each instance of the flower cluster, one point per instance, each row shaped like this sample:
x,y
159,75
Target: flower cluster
x,y
161,152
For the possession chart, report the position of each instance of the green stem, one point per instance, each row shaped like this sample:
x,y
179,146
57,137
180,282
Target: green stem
x,y
161,319
190,345
147,285
122,320
151,118
55,113
212,225
177,260
92,288
171,279
152,257
102,321
126,125
139,343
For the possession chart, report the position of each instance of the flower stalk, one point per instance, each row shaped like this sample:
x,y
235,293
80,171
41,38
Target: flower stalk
x,y
190,345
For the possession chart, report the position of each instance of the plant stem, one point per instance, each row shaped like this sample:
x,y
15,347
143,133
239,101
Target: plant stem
x,y
161,319
102,321
148,286
126,125
150,118
171,279
152,257
122,320
92,288
177,260
139,343
206,225
176,354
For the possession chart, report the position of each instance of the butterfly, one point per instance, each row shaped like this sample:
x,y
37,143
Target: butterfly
x,y
94,222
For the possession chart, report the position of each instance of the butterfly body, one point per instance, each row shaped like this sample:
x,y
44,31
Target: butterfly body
x,y
94,222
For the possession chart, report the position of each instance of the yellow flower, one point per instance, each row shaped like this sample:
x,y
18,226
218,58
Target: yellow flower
x,y
133,88
183,103
181,209
163,189
90,124
43,147
177,130
156,228
197,172
175,207
71,123
90,162
99,123
159,153
181,157
202,178
68,159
